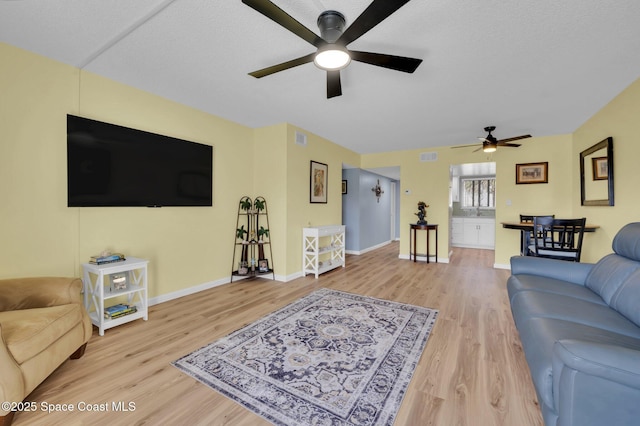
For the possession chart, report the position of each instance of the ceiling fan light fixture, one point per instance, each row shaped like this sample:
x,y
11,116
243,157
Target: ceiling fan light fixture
x,y
332,57
489,146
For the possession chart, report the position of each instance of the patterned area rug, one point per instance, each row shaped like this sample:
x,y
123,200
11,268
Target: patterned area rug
x,y
331,358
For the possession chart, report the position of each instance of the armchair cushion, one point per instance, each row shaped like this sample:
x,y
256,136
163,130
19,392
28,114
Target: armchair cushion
x,y
43,322
27,332
40,292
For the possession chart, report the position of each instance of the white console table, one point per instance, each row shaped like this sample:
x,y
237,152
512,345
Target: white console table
x,y
322,249
99,291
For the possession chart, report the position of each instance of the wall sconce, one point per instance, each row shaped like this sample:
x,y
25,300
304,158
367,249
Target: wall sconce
x,y
378,191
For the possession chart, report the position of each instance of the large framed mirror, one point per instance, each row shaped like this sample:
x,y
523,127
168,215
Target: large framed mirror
x,y
596,174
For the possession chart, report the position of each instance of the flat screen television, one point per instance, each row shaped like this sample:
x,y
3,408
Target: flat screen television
x,y
114,166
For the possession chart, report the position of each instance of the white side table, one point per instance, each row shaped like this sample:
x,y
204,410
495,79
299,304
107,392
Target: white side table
x,y
99,290
322,249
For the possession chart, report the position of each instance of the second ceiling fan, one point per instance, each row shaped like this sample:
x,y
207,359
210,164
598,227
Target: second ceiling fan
x,y
332,54
491,144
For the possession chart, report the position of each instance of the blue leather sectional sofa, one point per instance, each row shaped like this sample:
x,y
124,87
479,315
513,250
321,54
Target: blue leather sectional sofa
x,y
579,325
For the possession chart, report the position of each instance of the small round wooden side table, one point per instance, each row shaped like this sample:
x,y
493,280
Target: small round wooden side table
x,y
413,227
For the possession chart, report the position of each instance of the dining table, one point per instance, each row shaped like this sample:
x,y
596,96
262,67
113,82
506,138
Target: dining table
x,y
527,227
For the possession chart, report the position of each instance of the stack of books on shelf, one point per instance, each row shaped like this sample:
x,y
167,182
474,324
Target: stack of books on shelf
x,y
107,258
119,310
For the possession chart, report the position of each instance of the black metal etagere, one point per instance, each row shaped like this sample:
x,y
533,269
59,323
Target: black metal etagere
x,y
252,254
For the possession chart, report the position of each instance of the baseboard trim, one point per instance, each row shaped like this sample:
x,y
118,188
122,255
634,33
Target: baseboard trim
x,y
211,284
501,266
187,291
290,277
368,249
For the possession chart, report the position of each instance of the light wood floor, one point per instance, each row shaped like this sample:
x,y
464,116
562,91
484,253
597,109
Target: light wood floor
x,y
472,371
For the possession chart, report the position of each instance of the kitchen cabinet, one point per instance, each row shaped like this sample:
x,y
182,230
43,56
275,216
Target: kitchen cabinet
x,y
473,232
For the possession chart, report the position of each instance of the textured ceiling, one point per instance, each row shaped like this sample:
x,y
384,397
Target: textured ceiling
x,y
539,67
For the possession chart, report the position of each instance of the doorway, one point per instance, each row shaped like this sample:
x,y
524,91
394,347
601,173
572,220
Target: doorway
x,y
472,204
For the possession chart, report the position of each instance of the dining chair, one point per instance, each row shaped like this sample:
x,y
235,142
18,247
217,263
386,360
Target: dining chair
x,y
557,238
526,236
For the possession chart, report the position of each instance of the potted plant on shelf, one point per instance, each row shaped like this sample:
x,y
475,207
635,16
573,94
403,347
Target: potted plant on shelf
x,y
262,232
245,204
259,205
243,267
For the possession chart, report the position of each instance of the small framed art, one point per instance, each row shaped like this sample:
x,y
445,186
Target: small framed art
x,y
600,167
263,265
318,182
532,173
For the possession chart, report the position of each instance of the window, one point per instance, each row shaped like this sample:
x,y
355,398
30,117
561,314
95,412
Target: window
x,y
479,192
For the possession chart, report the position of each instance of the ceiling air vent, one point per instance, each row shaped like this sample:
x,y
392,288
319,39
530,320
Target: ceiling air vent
x,y
428,156
301,139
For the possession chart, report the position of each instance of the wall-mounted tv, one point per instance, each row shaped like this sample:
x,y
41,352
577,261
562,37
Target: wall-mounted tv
x,y
114,166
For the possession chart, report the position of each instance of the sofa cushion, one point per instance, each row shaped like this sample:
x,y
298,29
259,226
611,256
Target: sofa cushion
x,y
609,273
533,304
525,282
28,332
627,241
627,299
538,336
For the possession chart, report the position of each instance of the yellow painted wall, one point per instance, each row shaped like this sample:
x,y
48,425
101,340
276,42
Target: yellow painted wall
x,y
553,197
300,212
186,246
38,233
42,236
618,119
269,181
282,177
191,246
561,196
429,182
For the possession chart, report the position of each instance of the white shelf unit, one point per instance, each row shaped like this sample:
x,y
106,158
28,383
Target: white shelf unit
x,y
322,249
98,291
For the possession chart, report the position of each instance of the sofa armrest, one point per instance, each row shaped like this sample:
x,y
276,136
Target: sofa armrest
x,y
40,292
572,272
12,385
595,383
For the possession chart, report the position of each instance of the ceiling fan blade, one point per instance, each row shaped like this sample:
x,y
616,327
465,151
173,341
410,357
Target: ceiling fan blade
x,y
378,11
282,18
334,88
514,139
283,66
398,63
476,150
464,146
514,145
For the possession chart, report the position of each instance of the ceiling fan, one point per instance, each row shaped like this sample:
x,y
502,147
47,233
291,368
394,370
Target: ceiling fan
x,y
491,144
332,54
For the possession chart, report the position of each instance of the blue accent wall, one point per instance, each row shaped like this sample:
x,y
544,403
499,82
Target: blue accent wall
x,y
367,219
350,208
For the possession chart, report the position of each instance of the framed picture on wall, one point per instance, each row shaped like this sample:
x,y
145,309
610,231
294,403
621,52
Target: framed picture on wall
x,y
600,168
532,173
318,182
